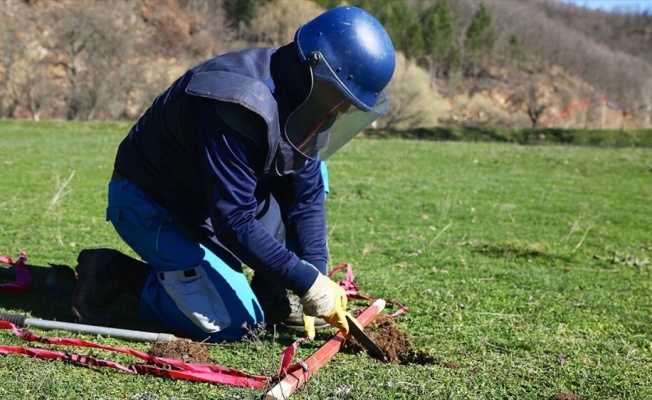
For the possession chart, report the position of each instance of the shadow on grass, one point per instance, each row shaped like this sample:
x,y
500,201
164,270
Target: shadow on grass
x,y
38,305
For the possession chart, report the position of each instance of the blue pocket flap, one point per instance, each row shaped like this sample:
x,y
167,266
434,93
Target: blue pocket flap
x,y
113,214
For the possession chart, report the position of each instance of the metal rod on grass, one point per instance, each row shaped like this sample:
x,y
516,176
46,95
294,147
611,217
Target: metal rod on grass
x,y
139,336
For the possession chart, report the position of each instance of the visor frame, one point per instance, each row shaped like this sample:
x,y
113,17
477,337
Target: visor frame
x,y
322,69
321,144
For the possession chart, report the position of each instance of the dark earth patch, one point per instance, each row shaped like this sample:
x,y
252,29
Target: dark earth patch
x,y
183,350
397,345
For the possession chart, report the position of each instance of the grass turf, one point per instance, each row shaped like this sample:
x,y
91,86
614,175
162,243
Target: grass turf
x,y
525,268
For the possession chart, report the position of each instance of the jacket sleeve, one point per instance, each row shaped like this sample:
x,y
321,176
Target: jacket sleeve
x,y
229,162
301,198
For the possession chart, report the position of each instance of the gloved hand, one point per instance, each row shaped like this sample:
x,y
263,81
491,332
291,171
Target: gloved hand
x,y
327,300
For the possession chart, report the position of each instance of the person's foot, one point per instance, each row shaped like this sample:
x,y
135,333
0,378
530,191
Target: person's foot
x,y
93,293
102,275
279,306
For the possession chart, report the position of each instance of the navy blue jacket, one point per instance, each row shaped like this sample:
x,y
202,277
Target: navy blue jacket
x,y
210,147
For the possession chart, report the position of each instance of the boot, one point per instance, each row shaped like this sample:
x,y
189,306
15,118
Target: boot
x,y
102,275
280,306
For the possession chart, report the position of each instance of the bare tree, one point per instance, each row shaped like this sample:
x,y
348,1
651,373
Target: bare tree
x,y
646,96
12,51
91,55
534,108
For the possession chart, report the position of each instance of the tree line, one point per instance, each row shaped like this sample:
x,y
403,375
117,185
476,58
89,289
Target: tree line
x,y
85,60
468,41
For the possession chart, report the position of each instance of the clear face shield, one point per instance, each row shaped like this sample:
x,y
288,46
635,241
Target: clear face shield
x,y
327,119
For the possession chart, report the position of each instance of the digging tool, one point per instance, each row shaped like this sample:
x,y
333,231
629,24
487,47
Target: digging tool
x,y
294,380
139,336
356,331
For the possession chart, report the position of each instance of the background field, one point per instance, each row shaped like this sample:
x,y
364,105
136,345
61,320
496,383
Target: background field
x,y
526,268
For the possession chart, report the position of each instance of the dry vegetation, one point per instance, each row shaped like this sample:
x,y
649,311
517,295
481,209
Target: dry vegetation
x,y
82,60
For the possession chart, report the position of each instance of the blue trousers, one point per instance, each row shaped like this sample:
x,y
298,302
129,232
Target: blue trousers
x,y
191,289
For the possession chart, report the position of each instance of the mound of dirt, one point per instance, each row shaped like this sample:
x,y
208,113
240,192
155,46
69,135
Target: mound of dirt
x,y
183,350
397,345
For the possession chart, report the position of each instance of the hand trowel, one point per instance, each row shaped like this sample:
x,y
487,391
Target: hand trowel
x,y
356,331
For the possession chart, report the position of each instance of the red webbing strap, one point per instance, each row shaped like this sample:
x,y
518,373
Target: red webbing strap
x,y
55,355
157,366
6,260
353,291
23,280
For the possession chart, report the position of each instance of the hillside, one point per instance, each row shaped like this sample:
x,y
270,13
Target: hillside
x,y
108,60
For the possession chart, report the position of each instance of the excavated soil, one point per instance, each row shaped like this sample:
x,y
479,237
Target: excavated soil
x,y
397,345
183,350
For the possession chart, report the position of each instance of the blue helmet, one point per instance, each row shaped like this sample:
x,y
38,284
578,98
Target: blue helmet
x,y
356,50
351,60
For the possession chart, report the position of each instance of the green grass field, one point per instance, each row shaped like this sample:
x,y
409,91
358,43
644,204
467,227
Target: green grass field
x,y
526,268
